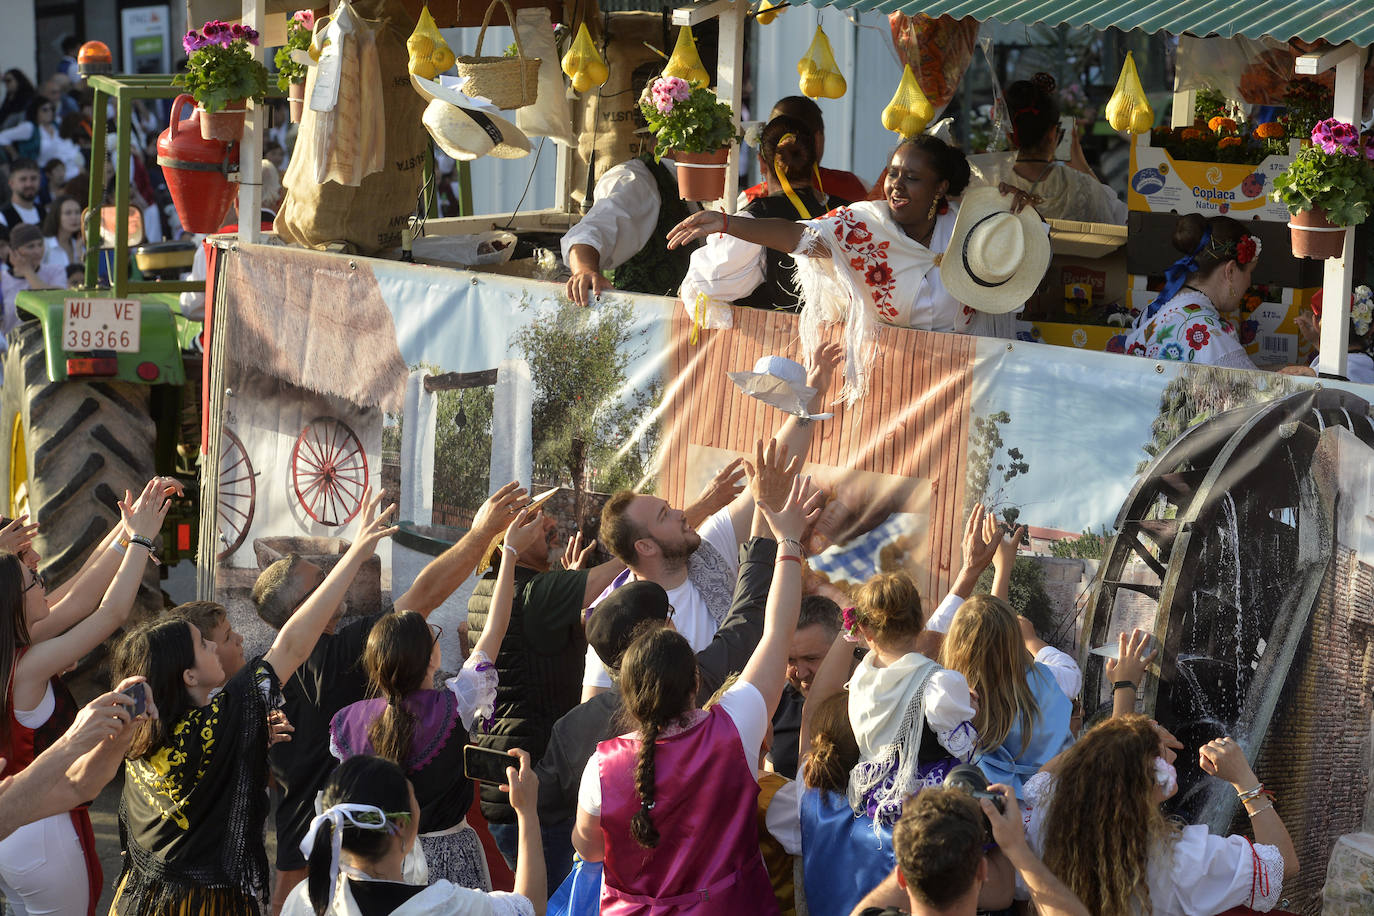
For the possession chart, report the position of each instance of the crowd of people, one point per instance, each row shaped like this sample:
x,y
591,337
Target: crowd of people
x,y
686,732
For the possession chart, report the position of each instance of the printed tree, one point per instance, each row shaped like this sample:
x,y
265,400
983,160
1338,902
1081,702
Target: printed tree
x,y
991,466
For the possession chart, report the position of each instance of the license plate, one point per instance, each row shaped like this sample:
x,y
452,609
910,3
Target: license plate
x,y
101,324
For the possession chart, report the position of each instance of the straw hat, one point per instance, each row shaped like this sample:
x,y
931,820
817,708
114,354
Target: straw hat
x,y
533,506
467,128
780,382
996,258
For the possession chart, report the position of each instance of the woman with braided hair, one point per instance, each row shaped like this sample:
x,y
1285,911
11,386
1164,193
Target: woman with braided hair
x,y
671,807
1059,190
424,730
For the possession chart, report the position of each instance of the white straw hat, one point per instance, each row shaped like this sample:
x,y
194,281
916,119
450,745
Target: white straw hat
x,y
996,258
466,128
780,382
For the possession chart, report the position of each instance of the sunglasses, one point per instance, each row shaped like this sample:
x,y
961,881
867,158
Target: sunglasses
x,y
437,630
37,582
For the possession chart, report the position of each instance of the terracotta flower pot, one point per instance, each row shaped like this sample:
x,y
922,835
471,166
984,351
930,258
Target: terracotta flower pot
x,y
295,94
225,125
1315,236
701,176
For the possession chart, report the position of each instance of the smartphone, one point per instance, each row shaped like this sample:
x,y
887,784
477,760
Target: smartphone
x,y
139,694
485,765
1064,151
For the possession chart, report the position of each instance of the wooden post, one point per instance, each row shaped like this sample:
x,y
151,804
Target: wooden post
x,y
250,148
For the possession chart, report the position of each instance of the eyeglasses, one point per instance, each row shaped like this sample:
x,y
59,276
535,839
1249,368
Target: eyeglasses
x,y
671,611
37,582
437,630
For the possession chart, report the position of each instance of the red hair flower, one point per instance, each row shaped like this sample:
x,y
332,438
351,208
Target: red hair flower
x,y
1247,249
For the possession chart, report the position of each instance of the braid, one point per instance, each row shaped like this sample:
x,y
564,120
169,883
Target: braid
x,y
642,825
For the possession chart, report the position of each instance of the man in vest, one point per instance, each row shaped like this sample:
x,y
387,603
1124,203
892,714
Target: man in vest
x,y
23,206
817,626
696,563
540,660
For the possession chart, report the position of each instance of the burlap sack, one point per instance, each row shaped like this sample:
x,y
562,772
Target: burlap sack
x,y
608,117
367,219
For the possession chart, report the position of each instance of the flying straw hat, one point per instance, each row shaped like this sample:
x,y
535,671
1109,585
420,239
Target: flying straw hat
x,y
996,258
780,382
468,128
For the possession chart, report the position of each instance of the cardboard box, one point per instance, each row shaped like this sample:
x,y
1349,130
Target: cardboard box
x,y
1159,184
1065,334
1087,271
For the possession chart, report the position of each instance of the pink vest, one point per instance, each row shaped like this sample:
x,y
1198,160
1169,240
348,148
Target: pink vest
x,y
706,797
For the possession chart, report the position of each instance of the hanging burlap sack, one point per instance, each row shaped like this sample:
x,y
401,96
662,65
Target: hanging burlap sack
x,y
368,218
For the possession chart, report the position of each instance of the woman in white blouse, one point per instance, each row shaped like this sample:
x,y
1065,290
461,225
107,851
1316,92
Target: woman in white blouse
x,y
42,120
62,233
1095,819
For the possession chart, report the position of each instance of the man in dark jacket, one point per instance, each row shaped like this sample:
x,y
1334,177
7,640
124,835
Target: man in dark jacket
x,y
610,630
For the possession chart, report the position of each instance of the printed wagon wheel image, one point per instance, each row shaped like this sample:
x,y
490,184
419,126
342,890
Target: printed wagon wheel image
x,y
238,494
329,471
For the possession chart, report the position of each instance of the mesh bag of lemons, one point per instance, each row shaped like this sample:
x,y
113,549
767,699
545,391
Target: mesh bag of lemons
x,y
1128,109
685,63
820,77
909,111
767,12
583,64
430,55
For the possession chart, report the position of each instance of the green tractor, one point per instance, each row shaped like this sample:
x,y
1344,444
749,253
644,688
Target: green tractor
x,y
102,384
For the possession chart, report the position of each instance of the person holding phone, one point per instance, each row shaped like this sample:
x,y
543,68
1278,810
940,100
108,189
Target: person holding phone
x,y
41,864
671,808
194,802
424,730
368,821
1057,189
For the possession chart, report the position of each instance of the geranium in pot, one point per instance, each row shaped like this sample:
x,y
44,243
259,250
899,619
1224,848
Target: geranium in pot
x,y
694,129
222,76
291,60
1328,188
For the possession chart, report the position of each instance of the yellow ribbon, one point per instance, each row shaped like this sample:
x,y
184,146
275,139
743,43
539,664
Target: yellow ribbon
x,y
698,318
787,189
816,172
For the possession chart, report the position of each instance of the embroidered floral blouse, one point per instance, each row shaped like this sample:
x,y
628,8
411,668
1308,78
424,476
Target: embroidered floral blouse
x,y
1188,329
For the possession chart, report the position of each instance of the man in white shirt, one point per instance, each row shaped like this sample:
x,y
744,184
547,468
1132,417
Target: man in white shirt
x,y
23,206
696,564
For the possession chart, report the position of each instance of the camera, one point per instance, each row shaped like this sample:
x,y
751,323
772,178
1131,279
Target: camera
x,y
969,779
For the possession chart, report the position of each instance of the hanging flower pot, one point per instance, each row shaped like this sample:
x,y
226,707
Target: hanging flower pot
x,y
1314,236
295,94
701,176
196,170
225,125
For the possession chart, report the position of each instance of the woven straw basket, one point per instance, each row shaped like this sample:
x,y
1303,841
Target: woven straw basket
x,y
510,82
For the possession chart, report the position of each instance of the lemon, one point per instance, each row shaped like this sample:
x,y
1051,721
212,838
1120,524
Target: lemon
x,y
583,82
598,72
812,84
1142,121
442,58
423,66
912,125
834,86
767,13
420,45
571,63
892,118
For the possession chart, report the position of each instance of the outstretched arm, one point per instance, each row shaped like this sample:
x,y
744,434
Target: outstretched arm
x,y
446,572
498,617
779,234
298,636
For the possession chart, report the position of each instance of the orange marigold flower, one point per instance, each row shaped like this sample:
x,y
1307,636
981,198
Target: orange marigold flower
x,y
1191,133
1221,123
1269,130
1226,142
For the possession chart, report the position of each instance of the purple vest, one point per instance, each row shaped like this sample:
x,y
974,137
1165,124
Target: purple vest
x,y
706,798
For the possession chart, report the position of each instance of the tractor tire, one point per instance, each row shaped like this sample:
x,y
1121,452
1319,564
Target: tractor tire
x,y
69,451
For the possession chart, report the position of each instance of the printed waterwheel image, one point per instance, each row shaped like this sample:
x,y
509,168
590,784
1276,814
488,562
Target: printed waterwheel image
x,y
238,493
329,471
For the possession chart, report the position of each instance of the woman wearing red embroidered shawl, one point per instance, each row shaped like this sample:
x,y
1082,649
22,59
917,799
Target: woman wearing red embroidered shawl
x,y
1095,820
671,808
873,261
194,804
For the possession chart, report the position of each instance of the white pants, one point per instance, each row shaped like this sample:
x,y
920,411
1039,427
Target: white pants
x,y
43,870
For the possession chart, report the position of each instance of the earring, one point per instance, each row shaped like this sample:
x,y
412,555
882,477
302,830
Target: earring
x,y
934,208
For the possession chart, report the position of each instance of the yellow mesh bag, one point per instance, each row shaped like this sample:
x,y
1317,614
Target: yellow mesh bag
x,y
583,64
909,111
430,55
1129,109
686,62
820,77
767,12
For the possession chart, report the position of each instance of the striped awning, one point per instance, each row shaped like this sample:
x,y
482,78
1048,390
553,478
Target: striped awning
x,y
1334,20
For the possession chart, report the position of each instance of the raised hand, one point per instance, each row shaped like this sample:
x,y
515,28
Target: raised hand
x,y
143,516
791,519
824,359
576,554
981,540
372,527
17,536
772,475
499,508
1136,652
723,488
1224,759
522,527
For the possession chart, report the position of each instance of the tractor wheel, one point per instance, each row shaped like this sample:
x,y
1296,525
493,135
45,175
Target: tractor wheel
x,y
69,451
